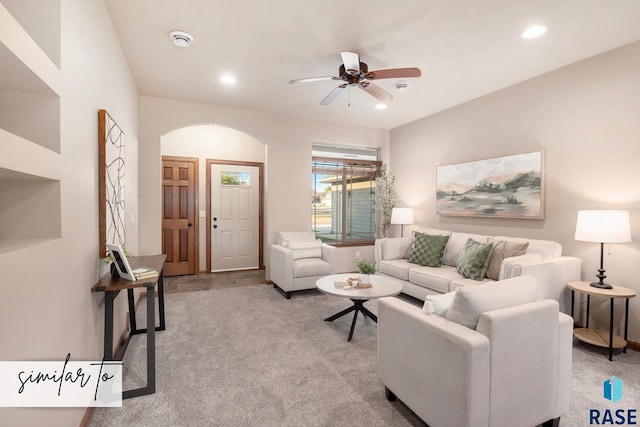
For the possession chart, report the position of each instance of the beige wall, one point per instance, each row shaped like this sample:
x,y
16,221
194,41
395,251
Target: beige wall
x,y
287,167
46,307
586,119
214,143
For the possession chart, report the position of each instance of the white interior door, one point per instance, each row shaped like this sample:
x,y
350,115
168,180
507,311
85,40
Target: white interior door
x,y
235,196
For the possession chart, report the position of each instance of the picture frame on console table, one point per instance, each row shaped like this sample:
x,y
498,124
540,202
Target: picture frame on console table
x,y
500,187
120,260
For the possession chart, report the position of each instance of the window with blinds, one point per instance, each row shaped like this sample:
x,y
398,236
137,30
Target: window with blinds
x,y
343,200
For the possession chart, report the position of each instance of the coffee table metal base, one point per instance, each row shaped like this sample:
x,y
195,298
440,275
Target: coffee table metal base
x,y
358,306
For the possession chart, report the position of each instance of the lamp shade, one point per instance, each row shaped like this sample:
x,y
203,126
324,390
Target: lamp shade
x,y
604,226
402,216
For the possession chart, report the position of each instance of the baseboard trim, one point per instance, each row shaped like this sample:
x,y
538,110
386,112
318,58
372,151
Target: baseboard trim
x,y
268,282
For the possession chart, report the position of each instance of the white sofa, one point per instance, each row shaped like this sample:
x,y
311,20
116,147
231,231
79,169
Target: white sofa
x,y
509,366
298,260
543,260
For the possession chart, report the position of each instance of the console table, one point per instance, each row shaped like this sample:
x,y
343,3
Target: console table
x,y
595,336
111,286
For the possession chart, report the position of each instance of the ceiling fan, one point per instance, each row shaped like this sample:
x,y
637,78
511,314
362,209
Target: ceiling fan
x,y
356,73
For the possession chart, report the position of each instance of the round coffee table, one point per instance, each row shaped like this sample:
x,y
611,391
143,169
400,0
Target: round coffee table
x,y
381,286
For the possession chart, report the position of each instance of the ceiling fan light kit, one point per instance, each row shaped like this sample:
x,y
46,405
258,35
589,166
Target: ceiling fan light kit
x,y
355,73
181,39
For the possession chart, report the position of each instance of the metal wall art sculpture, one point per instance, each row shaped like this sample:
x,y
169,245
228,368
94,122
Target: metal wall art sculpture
x,y
111,181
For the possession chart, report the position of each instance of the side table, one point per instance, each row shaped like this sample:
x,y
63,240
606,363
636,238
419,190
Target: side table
x,y
112,286
595,336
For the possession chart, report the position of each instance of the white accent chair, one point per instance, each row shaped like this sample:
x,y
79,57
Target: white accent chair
x,y
495,356
298,260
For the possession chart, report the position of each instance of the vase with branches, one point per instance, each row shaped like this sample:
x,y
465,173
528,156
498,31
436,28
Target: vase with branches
x,y
385,198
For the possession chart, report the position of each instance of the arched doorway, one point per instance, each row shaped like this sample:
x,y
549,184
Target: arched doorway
x,y
209,146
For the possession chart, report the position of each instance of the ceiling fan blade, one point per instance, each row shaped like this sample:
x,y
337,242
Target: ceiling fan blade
x,y
332,95
376,91
351,62
314,79
393,73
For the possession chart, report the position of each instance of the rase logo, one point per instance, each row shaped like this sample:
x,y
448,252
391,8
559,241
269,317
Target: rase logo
x,y
612,390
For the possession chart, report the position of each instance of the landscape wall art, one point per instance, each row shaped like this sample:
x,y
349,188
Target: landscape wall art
x,y
505,187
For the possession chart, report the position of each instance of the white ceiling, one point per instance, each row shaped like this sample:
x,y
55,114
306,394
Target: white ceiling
x,y
465,49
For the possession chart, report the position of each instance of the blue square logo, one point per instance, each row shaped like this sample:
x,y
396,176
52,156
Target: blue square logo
x,y
613,389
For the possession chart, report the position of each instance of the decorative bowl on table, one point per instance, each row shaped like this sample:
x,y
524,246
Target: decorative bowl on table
x,y
353,282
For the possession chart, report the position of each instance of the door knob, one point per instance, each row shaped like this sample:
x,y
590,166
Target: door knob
x,y
190,224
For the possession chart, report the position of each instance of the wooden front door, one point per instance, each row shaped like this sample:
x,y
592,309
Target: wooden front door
x,y
179,215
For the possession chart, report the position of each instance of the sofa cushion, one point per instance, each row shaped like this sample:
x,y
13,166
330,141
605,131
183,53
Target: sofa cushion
x,y
456,243
473,259
546,248
438,304
285,236
398,268
305,248
432,231
307,267
464,281
512,267
503,249
436,278
396,248
427,249
471,301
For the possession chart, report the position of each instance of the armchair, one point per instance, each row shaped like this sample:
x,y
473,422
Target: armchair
x,y
497,358
298,260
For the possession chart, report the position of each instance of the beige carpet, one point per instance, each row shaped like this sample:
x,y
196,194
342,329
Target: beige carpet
x,y
245,356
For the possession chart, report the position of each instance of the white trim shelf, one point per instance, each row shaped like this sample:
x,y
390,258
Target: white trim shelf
x,y
30,137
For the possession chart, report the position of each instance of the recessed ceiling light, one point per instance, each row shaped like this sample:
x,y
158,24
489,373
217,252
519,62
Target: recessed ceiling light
x,y
533,32
381,106
181,39
228,79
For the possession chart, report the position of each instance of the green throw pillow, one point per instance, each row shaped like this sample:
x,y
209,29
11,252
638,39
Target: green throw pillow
x,y
474,259
427,250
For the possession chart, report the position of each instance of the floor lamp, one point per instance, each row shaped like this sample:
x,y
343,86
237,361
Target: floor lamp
x,y
402,216
603,227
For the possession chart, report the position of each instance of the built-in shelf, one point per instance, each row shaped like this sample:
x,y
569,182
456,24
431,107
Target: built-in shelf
x,y
29,85
29,208
28,158
30,163
33,117
41,20
7,246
